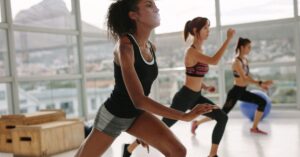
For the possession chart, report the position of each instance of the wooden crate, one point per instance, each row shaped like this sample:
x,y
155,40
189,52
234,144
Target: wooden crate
x,y
8,122
47,139
6,143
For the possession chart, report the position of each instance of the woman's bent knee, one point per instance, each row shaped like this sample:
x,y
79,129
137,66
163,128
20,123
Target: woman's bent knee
x,y
177,151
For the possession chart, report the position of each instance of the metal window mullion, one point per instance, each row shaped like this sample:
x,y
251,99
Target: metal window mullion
x,y
5,80
81,60
49,78
22,28
297,41
271,64
2,10
296,8
3,26
260,23
15,107
94,34
221,70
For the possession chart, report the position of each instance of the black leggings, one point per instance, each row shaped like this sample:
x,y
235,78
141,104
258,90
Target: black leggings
x,y
186,99
240,93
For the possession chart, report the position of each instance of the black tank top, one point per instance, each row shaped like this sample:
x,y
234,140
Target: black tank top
x,y
119,102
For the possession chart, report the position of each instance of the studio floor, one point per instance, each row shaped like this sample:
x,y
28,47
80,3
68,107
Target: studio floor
x,y
283,139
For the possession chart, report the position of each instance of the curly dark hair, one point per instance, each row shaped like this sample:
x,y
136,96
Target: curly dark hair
x,y
118,21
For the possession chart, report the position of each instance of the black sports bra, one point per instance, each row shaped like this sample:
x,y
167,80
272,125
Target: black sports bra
x,y
245,68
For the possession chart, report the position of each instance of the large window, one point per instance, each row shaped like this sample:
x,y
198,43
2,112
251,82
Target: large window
x,y
98,54
174,14
3,54
235,11
93,14
50,94
43,13
45,54
98,90
4,93
44,60
272,42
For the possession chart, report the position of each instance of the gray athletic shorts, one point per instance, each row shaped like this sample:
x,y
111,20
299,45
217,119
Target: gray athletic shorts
x,y
111,124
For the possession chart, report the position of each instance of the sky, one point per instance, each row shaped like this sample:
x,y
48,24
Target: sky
x,y
174,13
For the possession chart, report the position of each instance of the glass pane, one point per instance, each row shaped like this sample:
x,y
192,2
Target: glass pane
x,y
284,90
43,13
93,14
171,48
98,90
98,55
50,95
270,42
171,81
175,14
45,54
3,54
211,79
4,89
234,12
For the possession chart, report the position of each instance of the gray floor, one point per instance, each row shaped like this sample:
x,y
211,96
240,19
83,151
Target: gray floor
x,y
283,139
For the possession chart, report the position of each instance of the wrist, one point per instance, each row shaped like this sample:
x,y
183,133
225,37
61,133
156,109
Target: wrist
x,y
181,116
259,83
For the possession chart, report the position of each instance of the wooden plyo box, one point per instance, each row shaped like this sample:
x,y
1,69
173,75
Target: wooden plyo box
x,y
46,139
10,122
6,143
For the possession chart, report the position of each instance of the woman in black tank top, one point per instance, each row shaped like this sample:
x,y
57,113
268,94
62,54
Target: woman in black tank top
x,y
129,108
242,78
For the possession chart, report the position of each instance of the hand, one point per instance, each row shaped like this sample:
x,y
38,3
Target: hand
x,y
198,110
143,143
266,84
230,33
211,89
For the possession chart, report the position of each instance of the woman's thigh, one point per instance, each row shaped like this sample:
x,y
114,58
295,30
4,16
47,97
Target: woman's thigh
x,y
150,129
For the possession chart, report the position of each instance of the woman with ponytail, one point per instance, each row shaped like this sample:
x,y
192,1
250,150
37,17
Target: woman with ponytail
x,y
242,78
196,63
129,108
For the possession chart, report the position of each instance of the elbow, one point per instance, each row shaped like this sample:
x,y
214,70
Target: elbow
x,y
138,102
214,62
245,79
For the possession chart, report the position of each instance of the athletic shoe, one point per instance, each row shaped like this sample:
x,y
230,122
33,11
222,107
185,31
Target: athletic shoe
x,y
126,153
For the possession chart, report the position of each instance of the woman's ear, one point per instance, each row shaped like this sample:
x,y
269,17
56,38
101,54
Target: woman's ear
x,y
132,15
195,31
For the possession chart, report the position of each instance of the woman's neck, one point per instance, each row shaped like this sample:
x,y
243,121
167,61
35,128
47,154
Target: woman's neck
x,y
197,44
241,55
142,36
